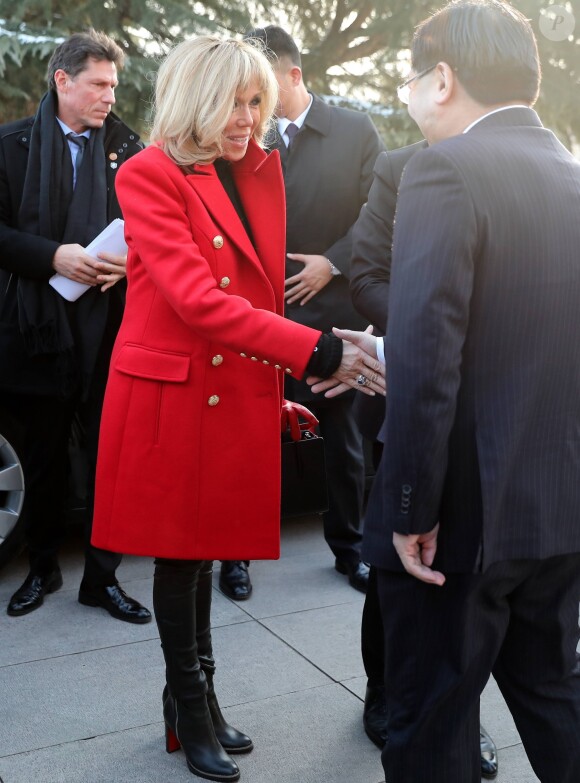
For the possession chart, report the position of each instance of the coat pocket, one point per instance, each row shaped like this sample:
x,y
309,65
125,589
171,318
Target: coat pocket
x,y
152,363
153,372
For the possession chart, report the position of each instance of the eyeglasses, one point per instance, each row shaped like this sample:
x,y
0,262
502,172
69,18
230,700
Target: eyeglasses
x,y
404,89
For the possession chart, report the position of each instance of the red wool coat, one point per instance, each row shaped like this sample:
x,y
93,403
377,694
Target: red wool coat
x,y
189,452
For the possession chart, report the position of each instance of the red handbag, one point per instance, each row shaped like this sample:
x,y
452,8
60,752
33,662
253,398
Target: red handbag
x,y
304,488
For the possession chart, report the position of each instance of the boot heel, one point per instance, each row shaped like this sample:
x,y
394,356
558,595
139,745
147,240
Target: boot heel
x,y
171,742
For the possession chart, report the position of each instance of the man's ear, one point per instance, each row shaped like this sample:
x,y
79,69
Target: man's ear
x,y
295,75
446,82
61,79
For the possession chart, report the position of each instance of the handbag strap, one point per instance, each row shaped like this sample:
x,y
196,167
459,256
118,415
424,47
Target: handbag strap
x,y
291,411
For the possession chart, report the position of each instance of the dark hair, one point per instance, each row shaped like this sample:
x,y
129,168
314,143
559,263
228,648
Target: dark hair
x,y
72,55
490,45
277,41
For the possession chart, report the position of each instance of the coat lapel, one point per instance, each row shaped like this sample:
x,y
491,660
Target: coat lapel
x,y
259,182
260,186
207,185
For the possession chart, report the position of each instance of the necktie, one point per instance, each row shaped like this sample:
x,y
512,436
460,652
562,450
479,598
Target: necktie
x,y
81,142
291,131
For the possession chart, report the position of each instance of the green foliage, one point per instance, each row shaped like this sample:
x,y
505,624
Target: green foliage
x,y
336,34
145,29
353,49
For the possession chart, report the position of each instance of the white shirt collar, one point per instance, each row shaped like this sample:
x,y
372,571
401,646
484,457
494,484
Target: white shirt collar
x,y
495,111
284,122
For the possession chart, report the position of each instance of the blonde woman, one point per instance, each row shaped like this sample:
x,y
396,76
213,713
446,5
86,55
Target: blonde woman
x,y
189,456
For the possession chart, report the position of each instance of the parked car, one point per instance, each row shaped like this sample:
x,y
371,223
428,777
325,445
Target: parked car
x,y
11,497
12,487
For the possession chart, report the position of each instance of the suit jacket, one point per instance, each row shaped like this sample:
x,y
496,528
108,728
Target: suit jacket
x,y
372,237
28,255
370,272
327,176
189,452
482,432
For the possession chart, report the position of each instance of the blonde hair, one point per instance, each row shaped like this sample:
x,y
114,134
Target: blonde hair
x,y
195,95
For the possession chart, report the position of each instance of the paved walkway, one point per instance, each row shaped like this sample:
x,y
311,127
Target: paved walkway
x,y
80,693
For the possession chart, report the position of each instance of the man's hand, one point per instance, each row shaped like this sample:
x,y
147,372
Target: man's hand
x,y
358,362
71,261
307,283
417,553
112,268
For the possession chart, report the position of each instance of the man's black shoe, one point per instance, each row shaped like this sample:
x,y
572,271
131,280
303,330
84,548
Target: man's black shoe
x,y
375,715
117,603
488,755
235,579
357,572
31,594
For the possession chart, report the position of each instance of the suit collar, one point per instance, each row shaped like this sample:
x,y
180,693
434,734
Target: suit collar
x,y
114,125
512,116
318,120
319,116
284,122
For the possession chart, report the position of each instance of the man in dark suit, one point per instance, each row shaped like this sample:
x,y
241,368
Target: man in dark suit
x,y
328,154
57,175
473,518
369,284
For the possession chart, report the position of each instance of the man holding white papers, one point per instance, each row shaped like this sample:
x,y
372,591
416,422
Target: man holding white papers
x,y
57,174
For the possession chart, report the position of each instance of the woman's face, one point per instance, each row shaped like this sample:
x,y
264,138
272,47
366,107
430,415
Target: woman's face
x,y
242,123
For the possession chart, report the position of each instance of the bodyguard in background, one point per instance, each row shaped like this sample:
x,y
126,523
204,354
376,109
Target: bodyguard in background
x,y
57,192
328,154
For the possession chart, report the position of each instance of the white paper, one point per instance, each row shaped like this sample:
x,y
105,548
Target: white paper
x,y
110,240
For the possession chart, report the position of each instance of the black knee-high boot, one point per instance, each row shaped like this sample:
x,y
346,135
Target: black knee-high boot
x,y
188,722
231,739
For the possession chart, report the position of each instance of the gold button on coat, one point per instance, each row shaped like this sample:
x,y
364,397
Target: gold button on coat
x,y
213,400
244,355
288,370
218,242
224,282
217,360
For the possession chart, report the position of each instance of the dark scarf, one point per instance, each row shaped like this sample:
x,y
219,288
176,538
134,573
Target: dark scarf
x,y
72,332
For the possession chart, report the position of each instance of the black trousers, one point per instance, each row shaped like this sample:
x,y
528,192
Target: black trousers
x,y
372,645
345,470
43,428
519,621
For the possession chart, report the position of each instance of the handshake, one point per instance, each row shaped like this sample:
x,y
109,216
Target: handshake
x,y
359,369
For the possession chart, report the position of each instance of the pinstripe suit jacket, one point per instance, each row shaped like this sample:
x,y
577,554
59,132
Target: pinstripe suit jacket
x,y
482,431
